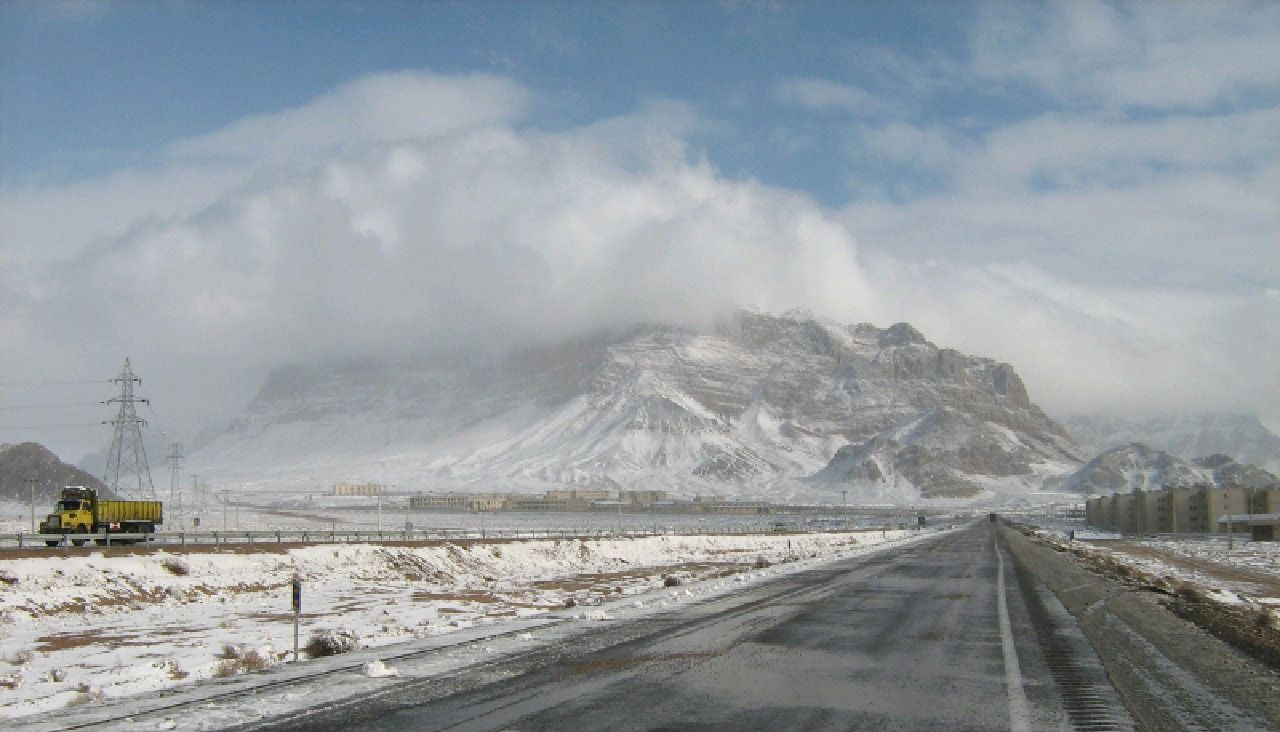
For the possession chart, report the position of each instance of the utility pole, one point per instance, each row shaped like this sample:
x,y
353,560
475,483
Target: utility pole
x,y
224,493
31,483
128,457
1231,528
196,503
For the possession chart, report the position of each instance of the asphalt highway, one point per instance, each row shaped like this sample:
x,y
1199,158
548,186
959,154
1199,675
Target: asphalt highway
x,y
940,635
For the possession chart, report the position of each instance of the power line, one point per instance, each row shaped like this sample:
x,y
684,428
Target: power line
x,y
53,383
49,426
49,406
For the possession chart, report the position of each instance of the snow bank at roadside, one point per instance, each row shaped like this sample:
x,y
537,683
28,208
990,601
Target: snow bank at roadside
x,y
75,629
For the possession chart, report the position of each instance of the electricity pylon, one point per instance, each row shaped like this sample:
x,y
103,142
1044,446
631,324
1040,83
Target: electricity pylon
x,y
128,475
175,470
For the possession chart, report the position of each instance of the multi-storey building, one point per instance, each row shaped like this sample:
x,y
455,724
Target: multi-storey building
x,y
1197,509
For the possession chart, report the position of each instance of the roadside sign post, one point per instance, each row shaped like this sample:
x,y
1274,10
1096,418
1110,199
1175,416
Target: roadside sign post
x,y
297,612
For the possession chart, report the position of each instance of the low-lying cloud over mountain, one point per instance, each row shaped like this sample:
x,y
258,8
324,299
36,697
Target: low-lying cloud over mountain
x,y
756,405
1069,188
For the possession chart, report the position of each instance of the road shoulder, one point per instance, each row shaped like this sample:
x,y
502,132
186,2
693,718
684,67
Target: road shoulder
x,y
1170,674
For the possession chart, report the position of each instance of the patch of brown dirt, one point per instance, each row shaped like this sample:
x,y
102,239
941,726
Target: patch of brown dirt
x,y
65,641
464,596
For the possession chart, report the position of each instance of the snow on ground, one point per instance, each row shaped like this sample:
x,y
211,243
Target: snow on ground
x,y
1233,572
74,629
1250,555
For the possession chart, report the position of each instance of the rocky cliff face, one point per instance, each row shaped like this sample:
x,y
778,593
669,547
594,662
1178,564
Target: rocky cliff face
x,y
1137,466
782,407
1240,436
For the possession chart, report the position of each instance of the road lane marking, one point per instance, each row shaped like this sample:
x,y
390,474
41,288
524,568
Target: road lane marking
x,y
1019,717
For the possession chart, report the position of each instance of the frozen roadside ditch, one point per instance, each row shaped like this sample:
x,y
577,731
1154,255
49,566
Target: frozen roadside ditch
x,y
81,633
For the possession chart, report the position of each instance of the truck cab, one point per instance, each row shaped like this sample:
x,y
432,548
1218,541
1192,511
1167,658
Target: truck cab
x,y
73,513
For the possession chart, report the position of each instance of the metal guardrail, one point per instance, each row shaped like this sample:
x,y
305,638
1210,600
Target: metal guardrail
x,y
22,540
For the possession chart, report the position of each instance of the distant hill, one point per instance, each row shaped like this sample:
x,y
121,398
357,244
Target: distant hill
x,y
1187,436
27,460
1137,466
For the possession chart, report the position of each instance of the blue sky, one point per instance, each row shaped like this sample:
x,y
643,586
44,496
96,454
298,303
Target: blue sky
x,y
91,87
1087,190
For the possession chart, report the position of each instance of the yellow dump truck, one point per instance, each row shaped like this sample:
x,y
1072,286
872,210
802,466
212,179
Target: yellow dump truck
x,y
79,514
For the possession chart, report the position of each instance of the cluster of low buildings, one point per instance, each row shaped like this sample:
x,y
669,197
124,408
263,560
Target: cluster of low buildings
x,y
1199,509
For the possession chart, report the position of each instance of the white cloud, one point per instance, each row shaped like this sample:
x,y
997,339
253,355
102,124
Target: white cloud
x,y
384,107
1178,200
475,235
1112,229
1093,348
821,95
1154,55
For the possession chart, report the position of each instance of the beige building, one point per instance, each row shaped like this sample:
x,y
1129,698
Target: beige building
x,y
440,501
457,502
358,489
642,498
585,496
1126,513
1191,510
1224,502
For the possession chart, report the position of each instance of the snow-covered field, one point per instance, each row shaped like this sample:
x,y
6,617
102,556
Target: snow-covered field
x,y
1233,572
78,629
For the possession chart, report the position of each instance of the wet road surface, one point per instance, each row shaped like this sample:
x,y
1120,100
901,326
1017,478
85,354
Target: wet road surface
x,y
940,635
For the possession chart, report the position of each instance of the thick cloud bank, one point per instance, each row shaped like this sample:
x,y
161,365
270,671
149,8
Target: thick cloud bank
x,y
414,212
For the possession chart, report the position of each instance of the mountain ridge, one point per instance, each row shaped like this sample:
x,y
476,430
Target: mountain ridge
x,y
756,405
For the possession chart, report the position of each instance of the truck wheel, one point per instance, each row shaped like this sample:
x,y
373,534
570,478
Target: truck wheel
x,y
51,543
81,529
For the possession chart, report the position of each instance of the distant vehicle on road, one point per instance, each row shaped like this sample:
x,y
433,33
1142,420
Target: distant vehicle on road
x,y
80,514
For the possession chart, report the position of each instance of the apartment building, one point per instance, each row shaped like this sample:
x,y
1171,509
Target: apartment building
x,y
1188,509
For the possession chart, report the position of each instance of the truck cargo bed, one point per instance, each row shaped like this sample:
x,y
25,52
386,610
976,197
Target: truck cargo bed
x,y
114,511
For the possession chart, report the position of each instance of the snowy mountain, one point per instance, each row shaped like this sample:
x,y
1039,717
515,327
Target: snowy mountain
x,y
1241,436
1137,466
789,407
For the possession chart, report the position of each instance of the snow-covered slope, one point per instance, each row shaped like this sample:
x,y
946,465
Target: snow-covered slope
x,y
1241,436
778,407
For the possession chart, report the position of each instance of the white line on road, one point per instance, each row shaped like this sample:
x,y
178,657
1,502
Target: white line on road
x,y
1019,717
